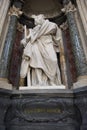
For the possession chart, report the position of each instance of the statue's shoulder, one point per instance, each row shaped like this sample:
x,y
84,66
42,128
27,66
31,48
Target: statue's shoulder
x,y
49,22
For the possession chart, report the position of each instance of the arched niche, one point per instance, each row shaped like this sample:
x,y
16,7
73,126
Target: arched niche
x,y
52,10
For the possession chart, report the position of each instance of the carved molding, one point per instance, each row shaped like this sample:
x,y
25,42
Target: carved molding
x,y
15,11
62,113
69,8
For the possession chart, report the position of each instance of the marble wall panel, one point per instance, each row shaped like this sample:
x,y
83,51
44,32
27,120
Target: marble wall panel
x,y
4,22
81,20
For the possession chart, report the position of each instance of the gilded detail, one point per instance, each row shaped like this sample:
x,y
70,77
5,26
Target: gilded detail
x,y
42,110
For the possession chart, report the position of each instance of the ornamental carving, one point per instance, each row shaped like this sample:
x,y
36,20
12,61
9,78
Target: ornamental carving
x,y
15,11
69,8
42,7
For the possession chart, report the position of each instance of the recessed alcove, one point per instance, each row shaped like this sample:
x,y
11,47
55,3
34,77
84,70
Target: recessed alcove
x,y
52,11
50,8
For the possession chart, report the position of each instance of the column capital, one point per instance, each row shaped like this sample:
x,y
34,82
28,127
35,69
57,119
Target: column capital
x,y
15,11
64,26
20,27
68,7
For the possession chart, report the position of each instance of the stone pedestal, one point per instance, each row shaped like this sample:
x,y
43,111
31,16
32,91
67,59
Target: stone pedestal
x,y
50,109
4,104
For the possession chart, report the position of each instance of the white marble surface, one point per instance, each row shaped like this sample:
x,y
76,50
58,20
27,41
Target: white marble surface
x,y
42,87
39,61
80,83
5,85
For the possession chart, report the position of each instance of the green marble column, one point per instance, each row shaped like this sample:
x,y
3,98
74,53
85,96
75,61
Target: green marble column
x,y
6,54
79,55
10,38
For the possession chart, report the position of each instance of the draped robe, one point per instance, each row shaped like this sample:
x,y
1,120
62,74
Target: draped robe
x,y
40,63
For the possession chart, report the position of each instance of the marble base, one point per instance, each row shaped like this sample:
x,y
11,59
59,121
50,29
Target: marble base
x,y
80,83
5,85
39,110
42,87
43,109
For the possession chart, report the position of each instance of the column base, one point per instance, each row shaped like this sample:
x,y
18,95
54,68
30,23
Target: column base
x,y
5,85
81,82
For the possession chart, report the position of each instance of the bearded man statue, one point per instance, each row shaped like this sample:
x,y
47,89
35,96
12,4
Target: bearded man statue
x,y
39,61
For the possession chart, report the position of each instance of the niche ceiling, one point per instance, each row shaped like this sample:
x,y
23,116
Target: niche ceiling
x,y
50,8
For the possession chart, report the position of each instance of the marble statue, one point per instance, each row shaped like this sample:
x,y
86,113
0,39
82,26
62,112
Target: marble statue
x,y
39,61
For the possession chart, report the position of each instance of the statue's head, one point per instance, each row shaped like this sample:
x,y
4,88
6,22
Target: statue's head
x,y
39,19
